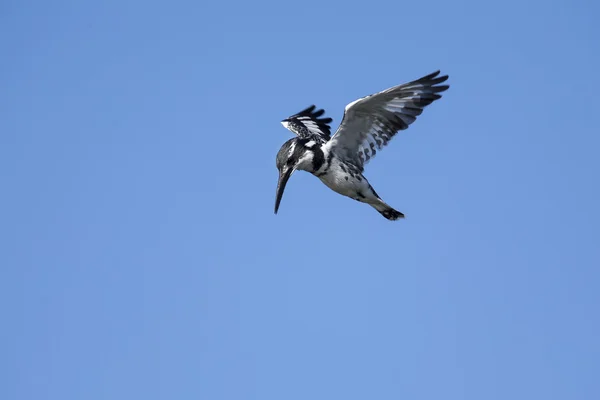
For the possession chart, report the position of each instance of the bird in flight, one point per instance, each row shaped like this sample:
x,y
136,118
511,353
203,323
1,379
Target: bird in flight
x,y
369,123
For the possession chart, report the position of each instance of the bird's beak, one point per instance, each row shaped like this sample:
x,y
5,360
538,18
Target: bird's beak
x,y
284,175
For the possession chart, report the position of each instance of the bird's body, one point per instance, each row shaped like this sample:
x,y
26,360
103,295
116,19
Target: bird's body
x,y
340,176
368,124
342,179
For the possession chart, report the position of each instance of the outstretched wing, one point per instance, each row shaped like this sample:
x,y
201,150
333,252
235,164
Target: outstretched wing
x,y
371,122
308,124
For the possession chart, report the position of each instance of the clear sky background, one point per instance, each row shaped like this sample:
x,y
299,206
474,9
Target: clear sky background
x,y
140,256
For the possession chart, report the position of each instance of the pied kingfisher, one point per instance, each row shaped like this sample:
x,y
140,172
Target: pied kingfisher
x,y
369,123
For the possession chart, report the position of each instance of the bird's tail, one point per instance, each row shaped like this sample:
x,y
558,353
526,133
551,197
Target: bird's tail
x,y
387,211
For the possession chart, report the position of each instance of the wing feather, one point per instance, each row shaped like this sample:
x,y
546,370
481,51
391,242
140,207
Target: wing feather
x,y
309,124
370,122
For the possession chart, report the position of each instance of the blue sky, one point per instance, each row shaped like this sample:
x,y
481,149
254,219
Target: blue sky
x,y
140,254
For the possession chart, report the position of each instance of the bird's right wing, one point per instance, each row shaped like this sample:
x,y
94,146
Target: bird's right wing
x,y
370,123
309,124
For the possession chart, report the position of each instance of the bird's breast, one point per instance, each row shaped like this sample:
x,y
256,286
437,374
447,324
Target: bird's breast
x,y
343,180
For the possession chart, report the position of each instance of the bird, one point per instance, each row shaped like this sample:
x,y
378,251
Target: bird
x,y
367,126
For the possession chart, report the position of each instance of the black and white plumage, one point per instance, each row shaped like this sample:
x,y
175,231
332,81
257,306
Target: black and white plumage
x,y
368,125
307,124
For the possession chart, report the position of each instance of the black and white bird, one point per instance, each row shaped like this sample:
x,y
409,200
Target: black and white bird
x,y
369,123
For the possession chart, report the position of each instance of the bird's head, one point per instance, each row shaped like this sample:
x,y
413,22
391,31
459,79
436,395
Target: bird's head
x,y
295,154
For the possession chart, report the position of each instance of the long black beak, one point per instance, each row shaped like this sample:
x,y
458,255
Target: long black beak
x,y
284,175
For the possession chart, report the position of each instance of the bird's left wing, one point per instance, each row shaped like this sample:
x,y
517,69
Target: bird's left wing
x,y
370,123
309,124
